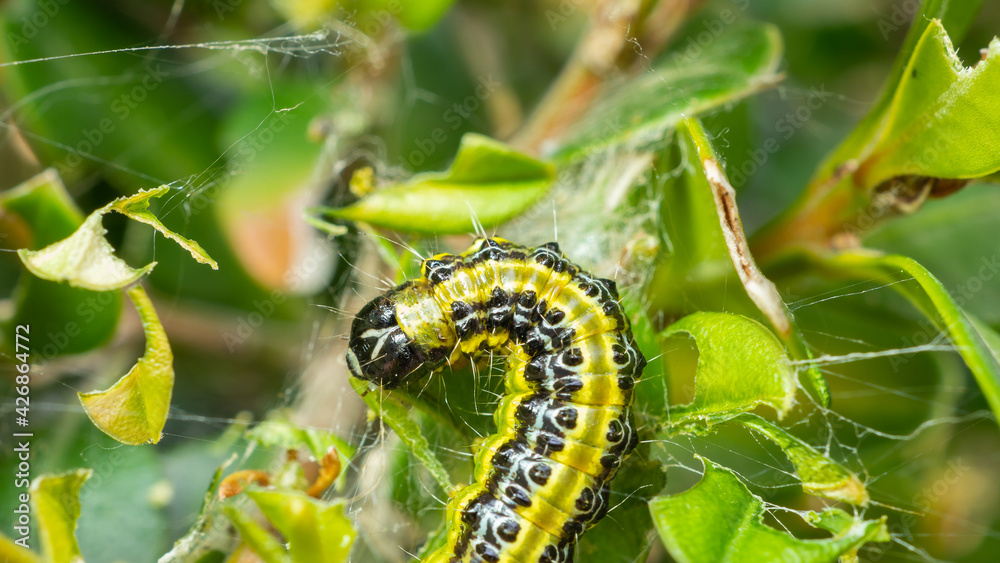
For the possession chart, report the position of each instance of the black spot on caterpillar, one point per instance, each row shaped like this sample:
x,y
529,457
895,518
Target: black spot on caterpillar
x,y
565,423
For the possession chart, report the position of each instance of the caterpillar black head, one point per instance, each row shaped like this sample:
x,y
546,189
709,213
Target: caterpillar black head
x,y
379,351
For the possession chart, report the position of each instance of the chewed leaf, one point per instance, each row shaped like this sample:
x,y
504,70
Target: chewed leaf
x,y
943,121
488,181
937,127
707,168
136,207
35,214
719,521
820,475
315,530
741,364
134,410
956,18
642,110
85,259
977,343
395,414
56,501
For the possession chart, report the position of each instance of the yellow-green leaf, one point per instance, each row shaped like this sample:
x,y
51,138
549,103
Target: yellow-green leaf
x,y
85,259
37,213
315,530
56,500
935,128
955,17
260,541
820,475
136,206
134,410
942,122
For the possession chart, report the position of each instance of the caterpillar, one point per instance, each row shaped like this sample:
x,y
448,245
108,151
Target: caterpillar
x,y
564,425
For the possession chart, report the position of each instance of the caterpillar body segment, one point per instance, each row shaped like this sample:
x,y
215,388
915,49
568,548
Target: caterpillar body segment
x,y
565,424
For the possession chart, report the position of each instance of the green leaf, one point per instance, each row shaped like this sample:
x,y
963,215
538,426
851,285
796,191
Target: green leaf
x,y
943,121
741,364
977,343
641,111
488,182
56,501
956,18
260,541
395,414
37,213
938,127
134,410
85,259
820,475
315,530
719,521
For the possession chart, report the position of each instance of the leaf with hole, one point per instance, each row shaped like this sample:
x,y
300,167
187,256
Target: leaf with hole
x,y
719,521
